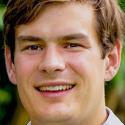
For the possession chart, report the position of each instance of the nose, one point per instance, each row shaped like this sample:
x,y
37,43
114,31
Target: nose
x,y
52,61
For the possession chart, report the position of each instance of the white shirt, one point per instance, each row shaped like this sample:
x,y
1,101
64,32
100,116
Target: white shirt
x,y
111,120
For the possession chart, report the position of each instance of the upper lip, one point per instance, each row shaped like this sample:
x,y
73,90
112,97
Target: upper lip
x,y
55,83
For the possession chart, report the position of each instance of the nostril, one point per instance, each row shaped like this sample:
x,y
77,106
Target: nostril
x,y
44,70
57,70
49,68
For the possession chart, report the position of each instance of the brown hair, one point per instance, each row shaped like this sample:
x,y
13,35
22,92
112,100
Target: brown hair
x,y
109,20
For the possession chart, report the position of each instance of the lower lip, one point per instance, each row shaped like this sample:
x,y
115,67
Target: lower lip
x,y
56,94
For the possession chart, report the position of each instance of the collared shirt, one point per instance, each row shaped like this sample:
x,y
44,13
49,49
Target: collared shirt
x,y
111,120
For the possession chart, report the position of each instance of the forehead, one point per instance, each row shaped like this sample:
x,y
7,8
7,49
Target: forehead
x,y
59,19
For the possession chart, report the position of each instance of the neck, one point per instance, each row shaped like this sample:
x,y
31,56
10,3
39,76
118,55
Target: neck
x,y
97,116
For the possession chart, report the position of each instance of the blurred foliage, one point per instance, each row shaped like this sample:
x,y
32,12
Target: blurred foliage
x,y
122,4
2,9
5,97
11,110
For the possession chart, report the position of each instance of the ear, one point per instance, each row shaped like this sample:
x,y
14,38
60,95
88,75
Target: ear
x,y
113,59
10,67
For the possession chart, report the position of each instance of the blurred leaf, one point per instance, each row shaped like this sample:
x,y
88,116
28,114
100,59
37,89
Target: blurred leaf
x,y
5,97
122,4
2,10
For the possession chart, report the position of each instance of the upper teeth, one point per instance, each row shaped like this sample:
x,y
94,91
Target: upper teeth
x,y
55,88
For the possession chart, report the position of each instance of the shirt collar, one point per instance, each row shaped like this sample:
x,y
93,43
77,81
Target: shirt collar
x,y
112,119
29,123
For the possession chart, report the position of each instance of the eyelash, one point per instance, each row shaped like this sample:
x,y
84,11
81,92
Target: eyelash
x,y
72,45
33,47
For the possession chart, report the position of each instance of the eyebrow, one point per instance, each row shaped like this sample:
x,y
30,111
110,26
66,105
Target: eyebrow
x,y
29,38
75,36
65,37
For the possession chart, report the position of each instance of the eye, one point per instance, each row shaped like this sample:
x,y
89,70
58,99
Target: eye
x,y
72,45
34,47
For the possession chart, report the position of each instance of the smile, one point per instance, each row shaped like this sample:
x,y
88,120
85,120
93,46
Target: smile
x,y
56,88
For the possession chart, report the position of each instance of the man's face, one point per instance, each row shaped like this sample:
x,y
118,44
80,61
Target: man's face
x,y
58,67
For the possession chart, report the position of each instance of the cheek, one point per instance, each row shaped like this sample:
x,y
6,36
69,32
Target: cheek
x,y
83,75
80,64
88,68
25,67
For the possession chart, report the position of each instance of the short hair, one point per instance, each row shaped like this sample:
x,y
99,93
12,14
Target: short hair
x,y
109,20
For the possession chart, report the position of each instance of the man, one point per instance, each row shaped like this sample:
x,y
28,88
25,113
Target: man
x,y
59,53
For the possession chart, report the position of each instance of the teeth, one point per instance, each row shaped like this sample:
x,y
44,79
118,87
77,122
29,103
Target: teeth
x,y
56,88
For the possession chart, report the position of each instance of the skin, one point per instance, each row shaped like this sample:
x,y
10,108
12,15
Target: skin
x,y
61,46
